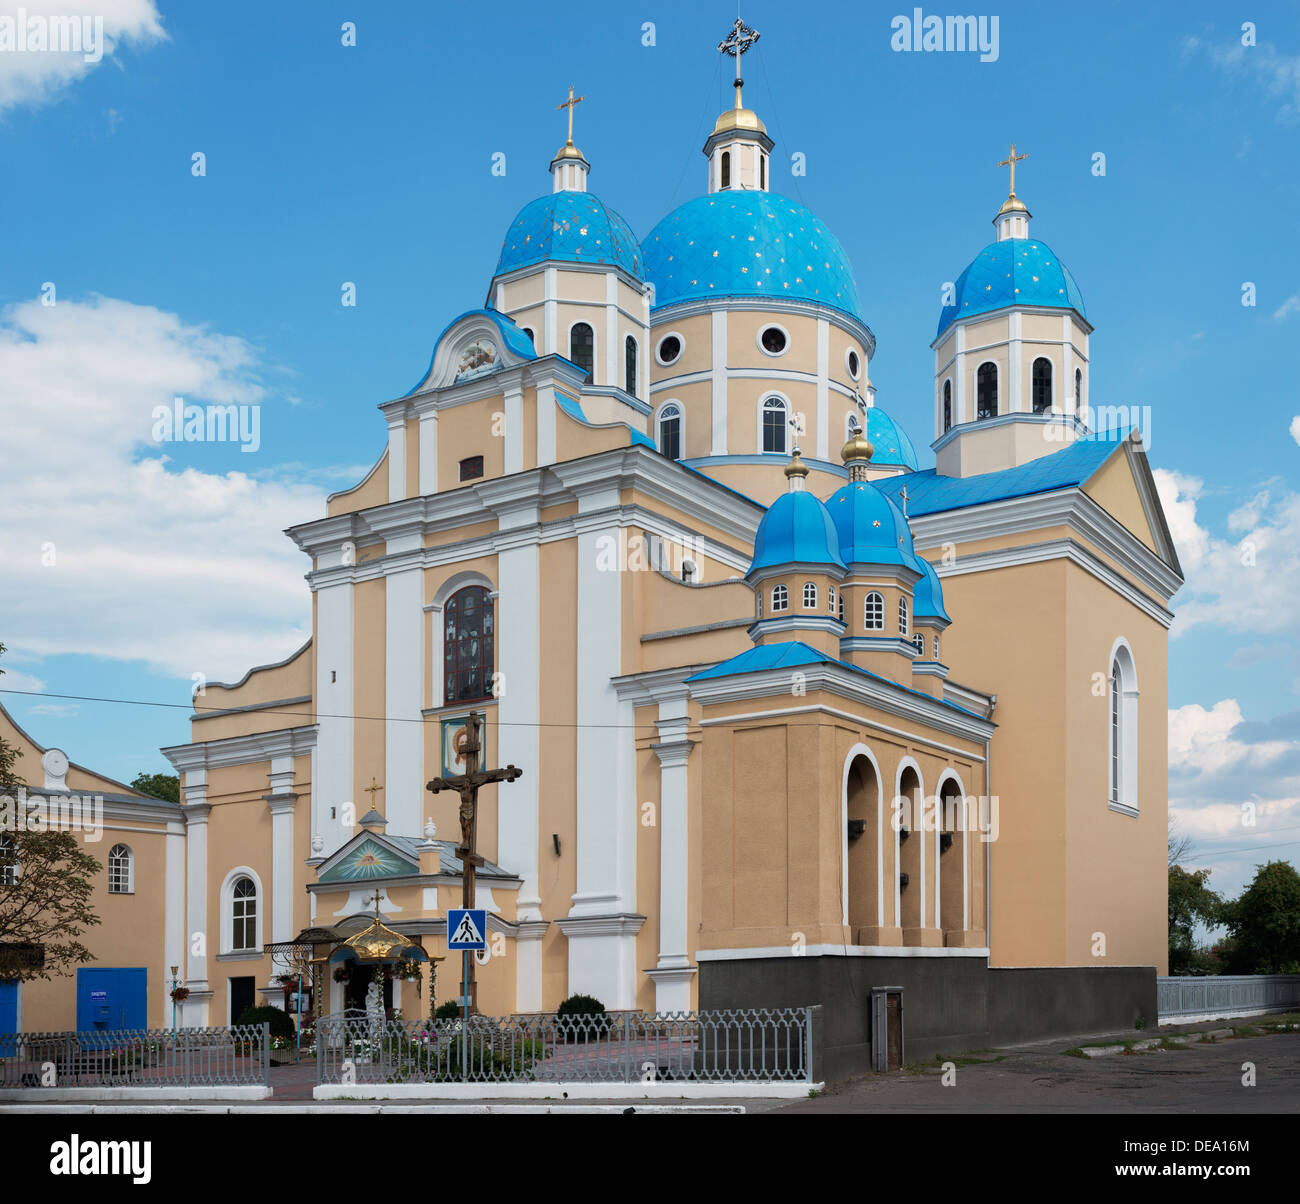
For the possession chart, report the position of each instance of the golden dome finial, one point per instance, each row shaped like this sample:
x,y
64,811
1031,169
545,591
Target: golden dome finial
x,y
856,453
796,470
577,100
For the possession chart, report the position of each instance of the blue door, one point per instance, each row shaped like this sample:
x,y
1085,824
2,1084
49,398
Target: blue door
x,y
110,999
8,1008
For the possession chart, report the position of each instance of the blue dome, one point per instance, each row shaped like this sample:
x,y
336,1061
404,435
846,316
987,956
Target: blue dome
x,y
1016,271
870,528
890,441
574,227
748,244
927,595
796,529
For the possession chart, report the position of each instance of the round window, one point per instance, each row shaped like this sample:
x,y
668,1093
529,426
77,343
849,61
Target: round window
x,y
670,348
854,364
773,340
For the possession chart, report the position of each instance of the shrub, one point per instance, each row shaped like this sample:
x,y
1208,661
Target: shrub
x,y
581,1005
281,1022
447,1011
581,1016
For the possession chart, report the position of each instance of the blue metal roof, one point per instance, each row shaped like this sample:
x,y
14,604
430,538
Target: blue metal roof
x,y
927,595
929,493
748,244
511,334
792,653
574,227
890,441
1015,271
869,527
795,530
573,407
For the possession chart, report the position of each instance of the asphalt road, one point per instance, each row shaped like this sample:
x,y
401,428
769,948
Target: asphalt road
x,y
1041,1079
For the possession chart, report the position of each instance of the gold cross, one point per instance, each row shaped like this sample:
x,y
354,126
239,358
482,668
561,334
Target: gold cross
x,y
372,790
1011,161
568,104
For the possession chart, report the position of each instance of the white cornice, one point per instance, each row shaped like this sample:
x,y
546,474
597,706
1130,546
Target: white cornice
x,y
908,705
242,750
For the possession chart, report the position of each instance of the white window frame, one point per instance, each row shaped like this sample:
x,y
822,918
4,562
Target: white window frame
x,y
848,367
129,888
1122,721
758,340
902,616
780,598
227,897
762,409
681,343
873,601
595,345
918,642
810,591
660,415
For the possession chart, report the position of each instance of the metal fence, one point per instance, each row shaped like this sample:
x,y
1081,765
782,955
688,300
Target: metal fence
x,y
703,1047
1226,995
185,1057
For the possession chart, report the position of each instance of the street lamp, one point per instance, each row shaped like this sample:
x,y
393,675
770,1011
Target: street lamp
x,y
175,984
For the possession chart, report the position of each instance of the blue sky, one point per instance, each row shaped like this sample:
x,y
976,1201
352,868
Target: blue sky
x,y
372,164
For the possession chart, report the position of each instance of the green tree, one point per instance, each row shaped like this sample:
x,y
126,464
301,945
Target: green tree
x,y
1191,902
1264,923
158,785
46,891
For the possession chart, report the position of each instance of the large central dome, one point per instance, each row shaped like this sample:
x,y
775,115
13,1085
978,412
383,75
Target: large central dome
x,y
748,244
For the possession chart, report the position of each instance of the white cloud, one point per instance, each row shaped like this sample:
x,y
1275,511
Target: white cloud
x,y
1249,583
34,76
1277,73
184,568
13,679
1200,739
1295,428
1288,307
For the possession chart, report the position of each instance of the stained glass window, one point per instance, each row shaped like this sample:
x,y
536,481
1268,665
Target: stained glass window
x,y
467,645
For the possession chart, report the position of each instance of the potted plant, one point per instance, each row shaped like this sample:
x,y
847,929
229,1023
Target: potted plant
x,y
180,994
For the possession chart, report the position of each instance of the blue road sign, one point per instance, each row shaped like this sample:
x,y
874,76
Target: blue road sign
x,y
466,928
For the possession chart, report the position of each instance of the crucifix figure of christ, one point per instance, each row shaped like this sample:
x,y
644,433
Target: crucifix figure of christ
x,y
1010,161
466,785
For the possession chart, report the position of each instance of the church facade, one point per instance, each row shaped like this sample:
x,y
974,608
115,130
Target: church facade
x,y
790,709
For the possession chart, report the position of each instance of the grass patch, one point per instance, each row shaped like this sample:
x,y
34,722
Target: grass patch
x,y
1076,1052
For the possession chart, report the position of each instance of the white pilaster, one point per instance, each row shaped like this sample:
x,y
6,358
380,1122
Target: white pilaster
x,y
404,691
333,785
959,402
550,313
196,812
1065,388
545,425
283,804
397,460
673,973
174,908
1015,367
613,353
719,443
429,452
823,388
514,430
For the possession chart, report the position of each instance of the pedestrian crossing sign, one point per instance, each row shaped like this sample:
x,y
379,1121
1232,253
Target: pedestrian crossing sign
x,y
466,928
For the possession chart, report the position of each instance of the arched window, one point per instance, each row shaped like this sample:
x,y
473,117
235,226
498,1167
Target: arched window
x,y
775,421
670,431
467,645
243,915
780,598
918,642
902,616
121,876
762,171
8,860
841,610
1042,385
936,647
726,169
1078,390
947,405
582,346
873,612
528,330
986,390
830,598
810,595
629,365
1123,735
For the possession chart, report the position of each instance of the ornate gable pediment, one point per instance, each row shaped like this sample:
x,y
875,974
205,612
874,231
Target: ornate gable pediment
x,y
476,345
364,857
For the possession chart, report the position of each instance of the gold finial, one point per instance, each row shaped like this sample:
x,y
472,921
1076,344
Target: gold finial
x,y
856,453
569,104
796,469
1010,161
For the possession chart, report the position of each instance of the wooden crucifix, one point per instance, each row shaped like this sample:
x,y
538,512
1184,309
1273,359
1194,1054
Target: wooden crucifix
x,y
466,785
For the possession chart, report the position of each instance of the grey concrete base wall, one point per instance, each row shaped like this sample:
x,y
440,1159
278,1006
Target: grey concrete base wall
x,y
950,1004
